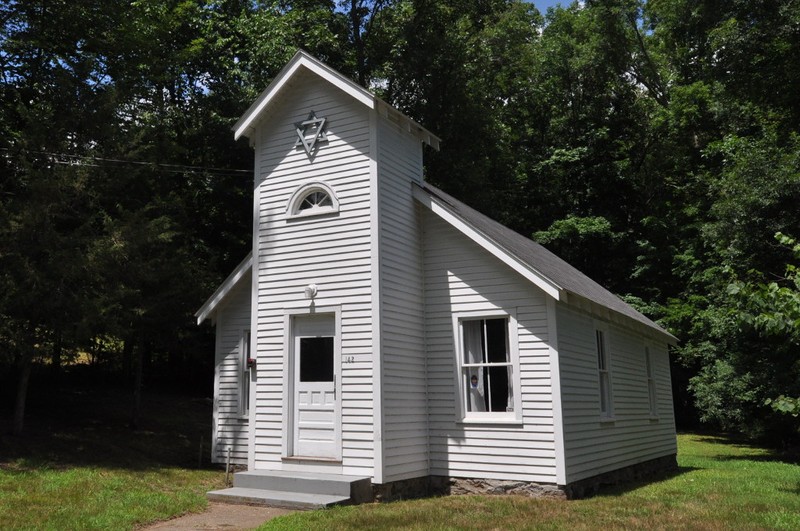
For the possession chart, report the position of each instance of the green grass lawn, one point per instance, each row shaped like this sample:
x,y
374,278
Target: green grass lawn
x,y
721,485
79,466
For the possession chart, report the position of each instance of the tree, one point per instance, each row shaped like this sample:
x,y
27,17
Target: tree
x,y
773,310
54,105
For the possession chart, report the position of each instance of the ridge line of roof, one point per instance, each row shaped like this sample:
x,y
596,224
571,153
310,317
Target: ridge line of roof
x,y
576,282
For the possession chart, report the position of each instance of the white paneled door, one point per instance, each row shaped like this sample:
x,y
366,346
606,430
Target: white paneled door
x,y
316,419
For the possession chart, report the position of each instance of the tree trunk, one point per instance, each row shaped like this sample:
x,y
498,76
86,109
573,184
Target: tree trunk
x,y
137,387
127,360
55,365
25,365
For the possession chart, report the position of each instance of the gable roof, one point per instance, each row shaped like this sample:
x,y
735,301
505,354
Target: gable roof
x,y
302,61
208,308
553,275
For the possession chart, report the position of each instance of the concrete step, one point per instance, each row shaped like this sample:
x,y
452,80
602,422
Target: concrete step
x,y
294,490
305,482
276,498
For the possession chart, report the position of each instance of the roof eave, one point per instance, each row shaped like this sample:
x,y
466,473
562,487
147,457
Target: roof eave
x,y
386,110
208,308
439,208
246,124
654,329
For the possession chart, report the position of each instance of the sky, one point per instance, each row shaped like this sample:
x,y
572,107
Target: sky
x,y
542,5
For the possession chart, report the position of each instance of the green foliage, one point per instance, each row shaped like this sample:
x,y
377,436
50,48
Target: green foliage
x,y
785,404
652,144
588,243
773,310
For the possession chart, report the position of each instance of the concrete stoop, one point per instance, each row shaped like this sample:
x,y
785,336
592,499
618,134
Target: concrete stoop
x,y
294,490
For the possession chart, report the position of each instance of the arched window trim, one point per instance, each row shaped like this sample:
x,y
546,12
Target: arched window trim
x,y
293,209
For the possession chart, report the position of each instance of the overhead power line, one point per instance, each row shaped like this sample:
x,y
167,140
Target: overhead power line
x,y
91,161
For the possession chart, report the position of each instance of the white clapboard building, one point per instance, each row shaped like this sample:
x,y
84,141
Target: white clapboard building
x,y
385,334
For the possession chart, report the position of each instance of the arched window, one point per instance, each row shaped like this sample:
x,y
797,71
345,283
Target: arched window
x,y
312,199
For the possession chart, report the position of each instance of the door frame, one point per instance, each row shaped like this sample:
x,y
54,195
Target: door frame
x,y
287,448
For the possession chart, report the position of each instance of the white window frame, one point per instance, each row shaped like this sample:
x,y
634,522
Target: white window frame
x,y
293,207
489,417
650,375
602,358
244,375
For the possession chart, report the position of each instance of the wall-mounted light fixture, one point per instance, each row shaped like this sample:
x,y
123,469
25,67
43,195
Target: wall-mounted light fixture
x,y
311,291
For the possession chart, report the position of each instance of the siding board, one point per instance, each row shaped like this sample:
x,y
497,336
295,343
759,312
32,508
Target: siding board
x,y
332,251
405,418
229,429
593,447
459,276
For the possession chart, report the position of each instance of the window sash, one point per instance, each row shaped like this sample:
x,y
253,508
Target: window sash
x,y
603,374
244,375
480,399
651,383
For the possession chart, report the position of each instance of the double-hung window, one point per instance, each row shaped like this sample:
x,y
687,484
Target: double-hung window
x,y
488,373
651,382
604,373
244,374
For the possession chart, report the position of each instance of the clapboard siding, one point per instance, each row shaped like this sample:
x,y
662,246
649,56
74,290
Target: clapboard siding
x,y
230,430
459,276
405,426
331,251
593,446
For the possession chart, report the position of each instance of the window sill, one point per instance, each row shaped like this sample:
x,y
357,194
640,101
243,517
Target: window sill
x,y
506,421
654,418
317,214
607,420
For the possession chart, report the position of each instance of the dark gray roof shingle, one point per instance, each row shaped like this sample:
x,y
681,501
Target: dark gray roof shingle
x,y
541,260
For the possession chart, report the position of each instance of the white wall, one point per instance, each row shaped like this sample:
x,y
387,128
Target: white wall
x,y
229,429
405,418
332,252
594,446
459,276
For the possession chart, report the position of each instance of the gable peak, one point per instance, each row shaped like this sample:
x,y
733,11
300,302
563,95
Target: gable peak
x,y
303,62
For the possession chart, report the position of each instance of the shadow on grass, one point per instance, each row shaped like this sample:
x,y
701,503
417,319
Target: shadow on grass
x,y
78,427
621,489
789,456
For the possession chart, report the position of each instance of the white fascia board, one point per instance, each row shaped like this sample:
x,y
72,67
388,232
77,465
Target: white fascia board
x,y
539,280
222,291
300,60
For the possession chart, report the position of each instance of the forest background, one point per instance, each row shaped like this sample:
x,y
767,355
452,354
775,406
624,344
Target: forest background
x,y
654,145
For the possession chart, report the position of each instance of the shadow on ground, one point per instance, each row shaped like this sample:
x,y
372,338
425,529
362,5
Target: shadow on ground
x,y
79,427
623,488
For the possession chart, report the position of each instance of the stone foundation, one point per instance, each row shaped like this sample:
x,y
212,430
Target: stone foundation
x,y
402,490
446,485
443,485
649,470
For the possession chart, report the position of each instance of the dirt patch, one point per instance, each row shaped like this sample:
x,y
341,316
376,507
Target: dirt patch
x,y
222,516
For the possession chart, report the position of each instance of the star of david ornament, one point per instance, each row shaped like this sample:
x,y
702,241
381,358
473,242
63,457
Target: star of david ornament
x,y
310,132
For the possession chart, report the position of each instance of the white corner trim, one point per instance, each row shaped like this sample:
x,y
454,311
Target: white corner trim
x,y
510,260
222,291
555,389
300,60
375,267
255,279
